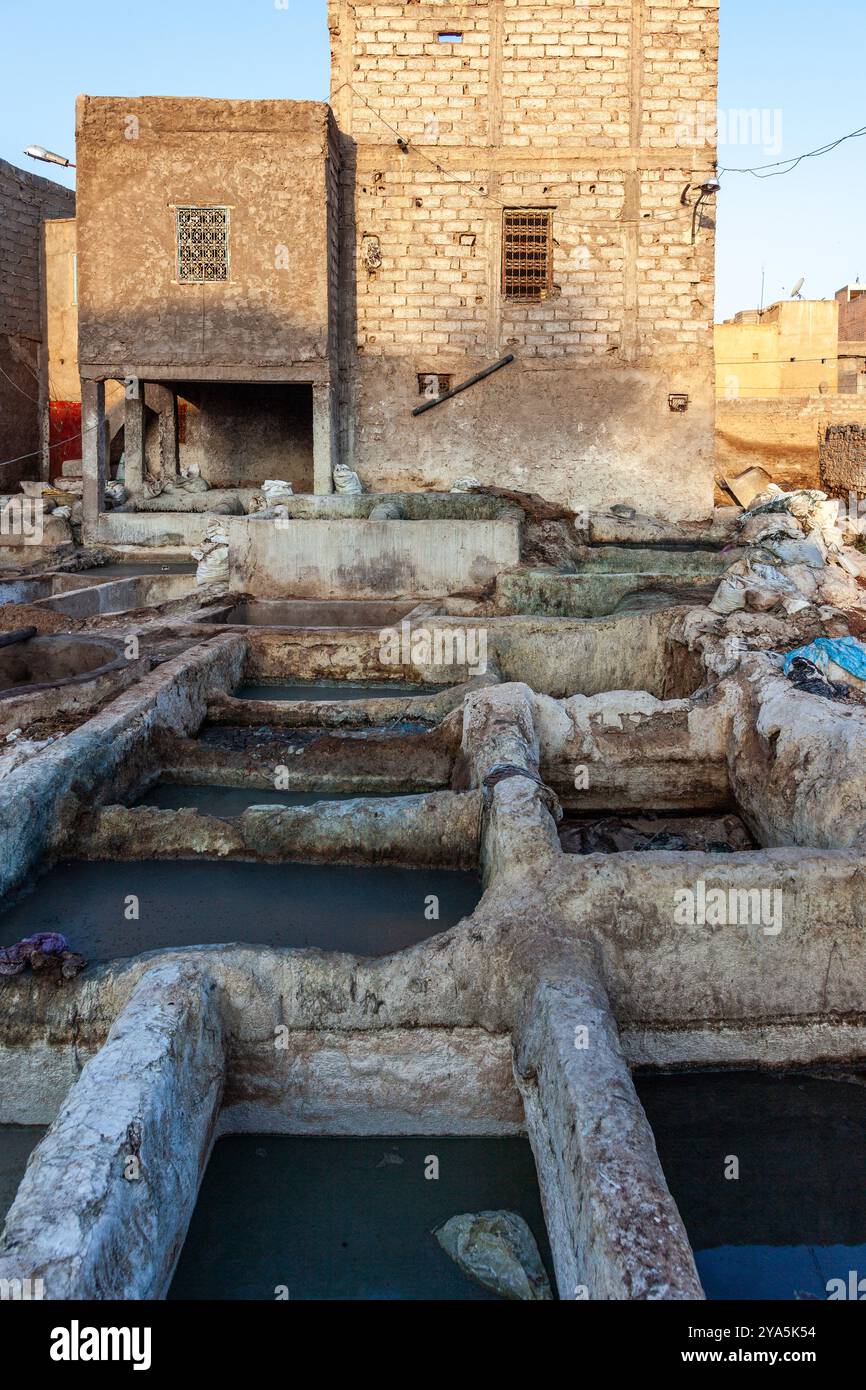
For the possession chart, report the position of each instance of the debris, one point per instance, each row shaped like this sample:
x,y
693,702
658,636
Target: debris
x,y
794,555
14,616
624,834
747,486
466,484
838,659
116,491
45,952
805,675
497,1250
730,596
752,583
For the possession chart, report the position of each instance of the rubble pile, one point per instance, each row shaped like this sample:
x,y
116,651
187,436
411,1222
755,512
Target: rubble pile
x,y
796,550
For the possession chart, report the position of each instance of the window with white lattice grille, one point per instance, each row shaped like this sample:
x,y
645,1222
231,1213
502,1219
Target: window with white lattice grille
x,y
527,252
202,245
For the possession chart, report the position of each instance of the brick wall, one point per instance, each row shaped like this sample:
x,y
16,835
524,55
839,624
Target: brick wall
x,y
25,199
578,108
852,317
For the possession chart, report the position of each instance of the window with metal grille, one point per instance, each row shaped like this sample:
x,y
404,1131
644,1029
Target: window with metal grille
x,y
527,252
202,245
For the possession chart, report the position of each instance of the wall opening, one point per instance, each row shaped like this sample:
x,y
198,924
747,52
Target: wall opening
x,y
240,433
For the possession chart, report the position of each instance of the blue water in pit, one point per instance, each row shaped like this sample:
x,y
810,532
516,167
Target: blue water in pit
x,y
795,1218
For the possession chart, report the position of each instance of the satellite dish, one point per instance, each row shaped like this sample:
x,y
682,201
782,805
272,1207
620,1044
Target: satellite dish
x,y
795,293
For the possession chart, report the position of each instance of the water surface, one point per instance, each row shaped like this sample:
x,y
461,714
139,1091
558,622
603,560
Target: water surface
x,y
17,1143
334,690
233,801
796,1216
335,907
347,1218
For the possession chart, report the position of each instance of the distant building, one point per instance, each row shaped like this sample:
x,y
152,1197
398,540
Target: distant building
x,y
25,201
852,339
852,313
788,349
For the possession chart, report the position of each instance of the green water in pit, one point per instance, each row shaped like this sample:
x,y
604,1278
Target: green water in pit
x,y
794,1219
334,690
335,907
347,1218
17,1143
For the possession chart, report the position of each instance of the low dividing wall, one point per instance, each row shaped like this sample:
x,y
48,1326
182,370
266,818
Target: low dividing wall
x,y
369,559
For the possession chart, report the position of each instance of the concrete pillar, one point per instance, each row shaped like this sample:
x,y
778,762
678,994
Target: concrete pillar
x,y
324,429
133,438
164,400
168,456
94,453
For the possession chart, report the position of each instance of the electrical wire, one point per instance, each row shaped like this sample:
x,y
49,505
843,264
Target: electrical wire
x,y
778,167
18,388
406,145
777,361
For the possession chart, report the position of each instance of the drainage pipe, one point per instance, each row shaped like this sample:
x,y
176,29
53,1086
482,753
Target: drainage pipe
x,y
464,385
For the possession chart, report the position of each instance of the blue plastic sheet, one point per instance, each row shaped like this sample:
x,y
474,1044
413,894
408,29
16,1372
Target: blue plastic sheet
x,y
847,652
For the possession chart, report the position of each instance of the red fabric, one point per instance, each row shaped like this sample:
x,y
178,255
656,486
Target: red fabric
x,y
64,434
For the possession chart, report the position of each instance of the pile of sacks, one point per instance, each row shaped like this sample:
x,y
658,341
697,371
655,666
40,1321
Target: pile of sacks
x,y
797,552
271,502
213,555
191,481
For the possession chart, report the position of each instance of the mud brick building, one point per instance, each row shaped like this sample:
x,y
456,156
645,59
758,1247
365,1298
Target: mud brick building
x,y
490,179
26,200
585,119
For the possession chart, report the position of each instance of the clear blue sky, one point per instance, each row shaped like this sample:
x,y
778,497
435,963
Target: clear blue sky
x,y
792,56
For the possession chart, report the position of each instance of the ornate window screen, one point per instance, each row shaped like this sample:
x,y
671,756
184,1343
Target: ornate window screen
x,y
527,252
202,245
